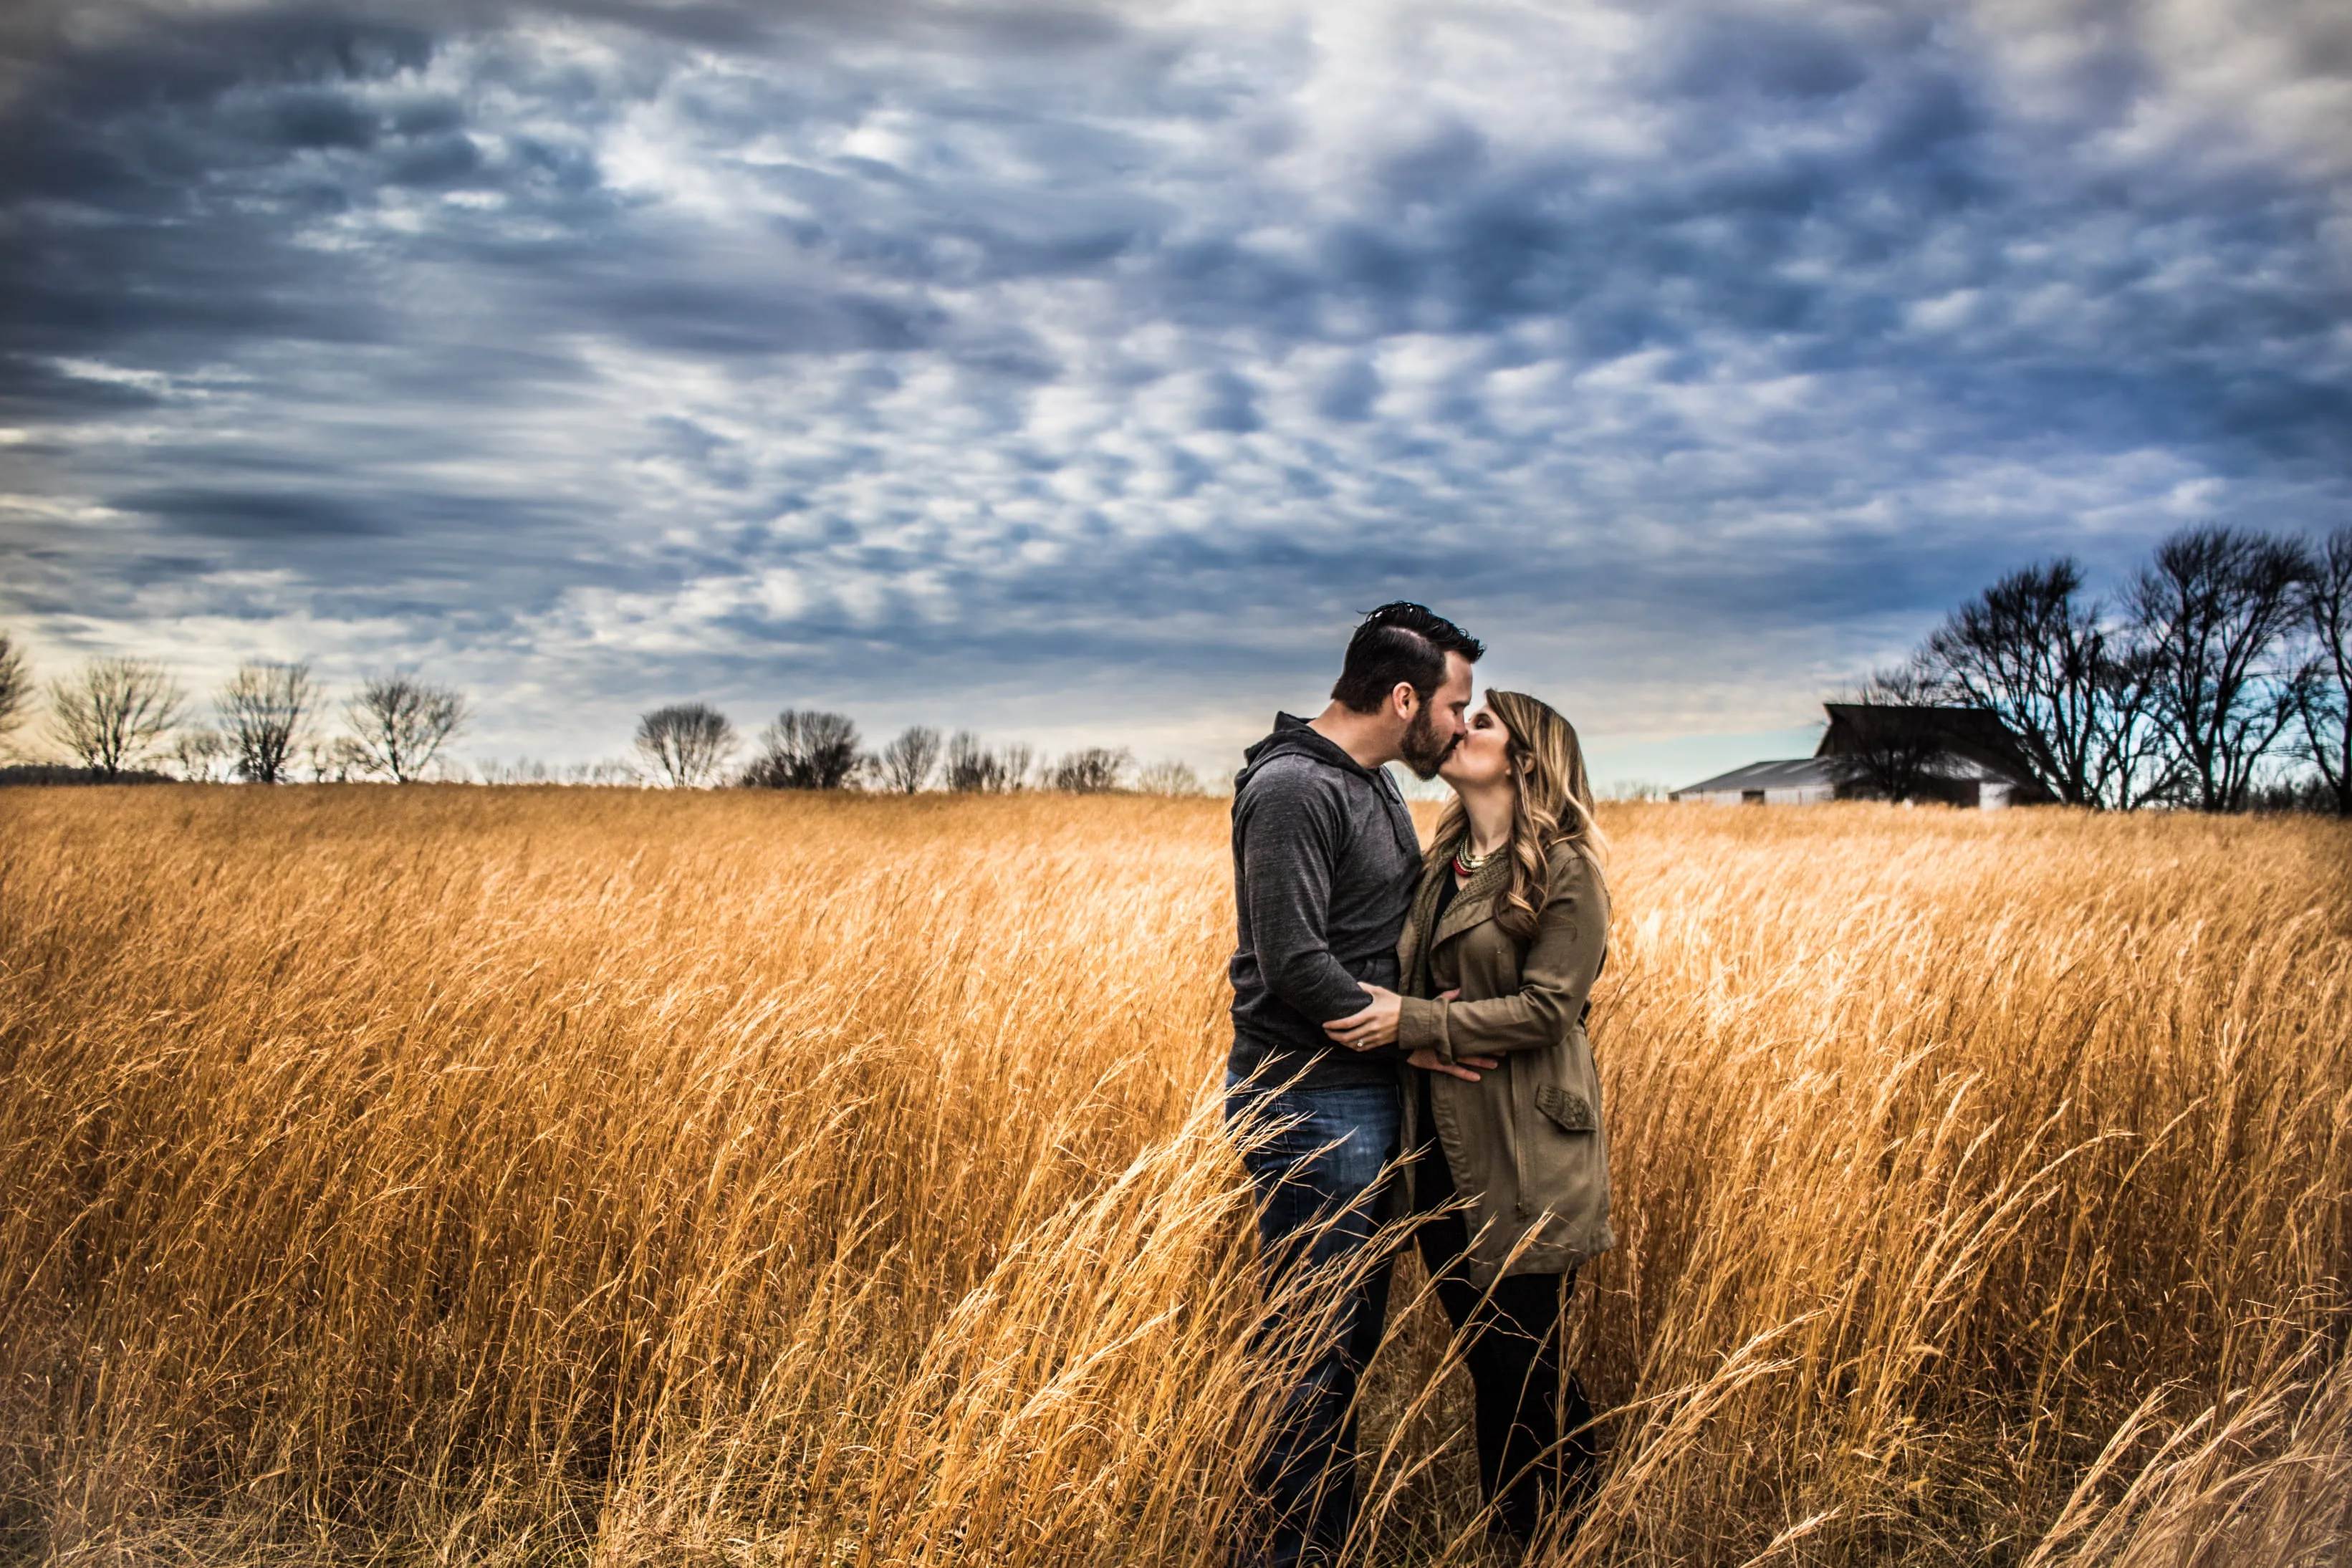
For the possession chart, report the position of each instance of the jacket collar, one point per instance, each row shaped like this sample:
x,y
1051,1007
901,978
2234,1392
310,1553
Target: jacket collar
x,y
1477,900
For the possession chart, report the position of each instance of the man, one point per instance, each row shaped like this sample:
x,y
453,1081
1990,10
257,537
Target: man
x,y
1325,862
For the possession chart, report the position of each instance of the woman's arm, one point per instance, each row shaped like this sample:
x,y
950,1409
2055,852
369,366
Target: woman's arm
x,y
1555,977
1376,1026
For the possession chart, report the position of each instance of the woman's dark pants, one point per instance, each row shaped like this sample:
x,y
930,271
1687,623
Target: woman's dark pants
x,y
1513,1344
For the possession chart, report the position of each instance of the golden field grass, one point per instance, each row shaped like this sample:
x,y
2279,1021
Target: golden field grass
x,y
446,1175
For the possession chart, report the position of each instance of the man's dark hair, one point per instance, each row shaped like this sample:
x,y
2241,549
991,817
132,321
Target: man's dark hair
x,y
1400,641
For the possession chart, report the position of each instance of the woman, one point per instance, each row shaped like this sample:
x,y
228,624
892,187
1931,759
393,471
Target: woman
x,y
1498,958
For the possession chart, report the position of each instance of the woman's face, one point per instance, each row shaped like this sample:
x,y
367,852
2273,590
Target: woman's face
x,y
1482,758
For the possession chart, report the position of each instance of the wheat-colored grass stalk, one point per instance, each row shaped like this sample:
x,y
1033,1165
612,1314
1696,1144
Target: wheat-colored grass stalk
x,y
448,1175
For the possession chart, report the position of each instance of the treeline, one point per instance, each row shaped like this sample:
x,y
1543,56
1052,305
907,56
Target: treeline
x,y
274,723
125,719
2218,678
693,745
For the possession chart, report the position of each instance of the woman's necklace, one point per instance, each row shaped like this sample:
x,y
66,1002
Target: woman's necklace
x,y
1467,864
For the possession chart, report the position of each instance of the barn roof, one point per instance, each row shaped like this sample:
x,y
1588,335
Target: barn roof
x,y
1973,733
1795,773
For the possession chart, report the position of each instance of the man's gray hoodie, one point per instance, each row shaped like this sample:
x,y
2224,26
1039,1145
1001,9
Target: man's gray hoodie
x,y
1326,862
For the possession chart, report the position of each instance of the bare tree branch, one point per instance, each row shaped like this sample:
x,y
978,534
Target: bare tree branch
x,y
804,750
16,685
114,713
265,714
2323,683
399,725
2213,609
907,761
687,743
2135,764
2029,650
1170,778
2071,689
201,756
338,760
973,767
1096,770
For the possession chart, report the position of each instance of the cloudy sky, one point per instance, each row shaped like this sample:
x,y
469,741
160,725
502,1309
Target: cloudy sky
x,y
1077,372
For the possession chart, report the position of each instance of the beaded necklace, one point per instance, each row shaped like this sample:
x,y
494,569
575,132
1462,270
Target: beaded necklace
x,y
1466,865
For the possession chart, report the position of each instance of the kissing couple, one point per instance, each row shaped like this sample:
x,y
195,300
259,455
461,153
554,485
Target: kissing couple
x,y
1409,1042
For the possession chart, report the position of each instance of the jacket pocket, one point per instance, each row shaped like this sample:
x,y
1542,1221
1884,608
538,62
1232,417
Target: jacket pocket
x,y
1569,1111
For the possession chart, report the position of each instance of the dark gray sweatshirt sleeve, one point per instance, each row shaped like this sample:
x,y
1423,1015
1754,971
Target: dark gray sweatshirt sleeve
x,y
1291,839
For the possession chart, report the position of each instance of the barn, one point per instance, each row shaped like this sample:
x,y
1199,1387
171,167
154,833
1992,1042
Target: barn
x,y
1958,755
1800,781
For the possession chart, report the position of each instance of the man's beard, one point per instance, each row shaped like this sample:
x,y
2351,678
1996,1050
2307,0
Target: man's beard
x,y
1425,750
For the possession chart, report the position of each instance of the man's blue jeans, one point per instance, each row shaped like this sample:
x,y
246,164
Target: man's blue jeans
x,y
1318,1191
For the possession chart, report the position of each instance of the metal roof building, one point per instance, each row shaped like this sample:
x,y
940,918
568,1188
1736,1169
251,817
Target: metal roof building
x,y
1799,781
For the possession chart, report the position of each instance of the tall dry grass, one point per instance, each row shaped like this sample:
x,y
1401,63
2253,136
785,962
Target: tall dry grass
x,y
513,1177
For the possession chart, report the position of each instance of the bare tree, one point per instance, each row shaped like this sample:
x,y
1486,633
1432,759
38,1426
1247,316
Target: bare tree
x,y
399,725
1096,770
338,760
967,764
2074,691
2213,609
804,750
16,685
201,756
2031,650
2323,685
1891,761
907,761
115,714
265,714
522,770
1170,777
687,743
973,767
2133,762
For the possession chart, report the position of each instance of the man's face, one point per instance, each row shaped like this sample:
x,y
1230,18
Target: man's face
x,y
1440,724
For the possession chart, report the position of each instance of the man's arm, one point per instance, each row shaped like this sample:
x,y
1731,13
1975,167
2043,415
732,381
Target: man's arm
x,y
1291,839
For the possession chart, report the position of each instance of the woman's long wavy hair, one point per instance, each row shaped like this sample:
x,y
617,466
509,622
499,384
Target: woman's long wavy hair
x,y
1554,806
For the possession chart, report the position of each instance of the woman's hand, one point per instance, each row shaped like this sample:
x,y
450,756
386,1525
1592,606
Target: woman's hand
x,y
1429,1061
1377,1026
1374,1026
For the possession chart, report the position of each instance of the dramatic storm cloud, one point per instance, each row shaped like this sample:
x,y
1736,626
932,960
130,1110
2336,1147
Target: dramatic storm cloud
x,y
1076,373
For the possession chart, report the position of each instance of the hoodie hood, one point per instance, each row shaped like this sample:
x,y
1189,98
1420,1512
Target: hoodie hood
x,y
1294,736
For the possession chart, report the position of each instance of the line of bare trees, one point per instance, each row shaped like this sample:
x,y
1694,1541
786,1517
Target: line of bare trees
x,y
693,745
121,719
2219,677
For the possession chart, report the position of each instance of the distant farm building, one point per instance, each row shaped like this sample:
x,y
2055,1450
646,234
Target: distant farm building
x,y
1958,755
1802,781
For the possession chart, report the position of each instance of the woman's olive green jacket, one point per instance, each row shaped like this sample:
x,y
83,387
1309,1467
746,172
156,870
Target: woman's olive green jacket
x,y
1525,1144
